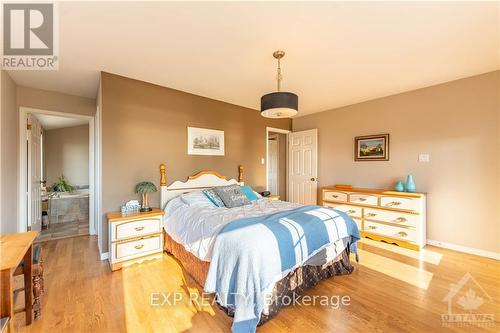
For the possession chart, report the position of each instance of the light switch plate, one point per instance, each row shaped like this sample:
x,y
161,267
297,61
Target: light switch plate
x,y
262,161
424,158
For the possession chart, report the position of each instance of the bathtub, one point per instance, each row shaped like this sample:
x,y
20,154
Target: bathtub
x,y
68,206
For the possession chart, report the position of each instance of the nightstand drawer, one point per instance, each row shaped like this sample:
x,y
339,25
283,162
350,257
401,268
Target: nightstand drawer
x,y
334,195
137,248
136,228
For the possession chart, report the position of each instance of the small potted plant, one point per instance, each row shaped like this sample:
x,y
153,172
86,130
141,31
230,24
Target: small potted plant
x,y
144,188
62,185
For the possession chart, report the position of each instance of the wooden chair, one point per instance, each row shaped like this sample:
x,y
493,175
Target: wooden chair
x,y
38,283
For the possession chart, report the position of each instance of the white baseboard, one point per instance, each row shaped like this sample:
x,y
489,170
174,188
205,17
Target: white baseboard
x,y
105,256
465,249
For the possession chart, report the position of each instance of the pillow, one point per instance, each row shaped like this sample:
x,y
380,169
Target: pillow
x,y
249,193
213,197
196,198
232,195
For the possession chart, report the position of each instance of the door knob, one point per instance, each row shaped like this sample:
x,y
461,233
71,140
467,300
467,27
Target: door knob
x,y
313,179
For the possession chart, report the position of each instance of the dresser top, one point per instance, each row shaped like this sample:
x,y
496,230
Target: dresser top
x,y
346,188
117,216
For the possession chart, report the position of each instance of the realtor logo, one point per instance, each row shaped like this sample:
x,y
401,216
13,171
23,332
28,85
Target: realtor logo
x,y
29,36
469,296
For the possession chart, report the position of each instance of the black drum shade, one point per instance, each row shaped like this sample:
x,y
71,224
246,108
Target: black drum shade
x,y
279,105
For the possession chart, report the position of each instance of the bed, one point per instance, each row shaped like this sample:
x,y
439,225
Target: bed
x,y
197,235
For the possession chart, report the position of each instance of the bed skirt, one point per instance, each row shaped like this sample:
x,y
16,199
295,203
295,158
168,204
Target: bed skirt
x,y
286,289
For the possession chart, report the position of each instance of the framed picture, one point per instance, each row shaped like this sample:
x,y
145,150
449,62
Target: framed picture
x,y
371,148
202,141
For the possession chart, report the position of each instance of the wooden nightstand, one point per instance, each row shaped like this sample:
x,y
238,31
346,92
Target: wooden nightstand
x,y
273,197
135,238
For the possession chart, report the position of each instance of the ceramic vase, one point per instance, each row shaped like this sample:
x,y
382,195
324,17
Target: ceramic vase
x,y
410,184
399,186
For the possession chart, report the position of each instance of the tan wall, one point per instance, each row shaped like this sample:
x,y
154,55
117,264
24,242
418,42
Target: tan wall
x,y
456,123
8,148
54,101
144,125
67,153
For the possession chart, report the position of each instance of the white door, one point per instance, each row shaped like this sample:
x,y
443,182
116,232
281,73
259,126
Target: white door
x,y
303,167
34,174
272,172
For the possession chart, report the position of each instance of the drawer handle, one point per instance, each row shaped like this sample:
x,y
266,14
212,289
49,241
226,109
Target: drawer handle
x,y
362,199
335,196
351,211
138,247
372,227
371,214
394,203
402,234
401,219
139,228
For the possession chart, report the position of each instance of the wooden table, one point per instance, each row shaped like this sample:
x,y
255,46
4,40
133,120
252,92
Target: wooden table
x,y
13,249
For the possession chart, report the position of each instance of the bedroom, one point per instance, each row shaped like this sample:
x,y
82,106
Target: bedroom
x,y
187,95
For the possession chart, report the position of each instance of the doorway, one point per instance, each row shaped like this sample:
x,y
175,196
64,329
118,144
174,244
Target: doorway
x,y
276,166
57,174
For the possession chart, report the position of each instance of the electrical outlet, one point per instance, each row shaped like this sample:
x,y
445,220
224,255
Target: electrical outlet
x,y
424,158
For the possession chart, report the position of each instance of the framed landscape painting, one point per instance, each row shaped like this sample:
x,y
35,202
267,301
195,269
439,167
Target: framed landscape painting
x,y
202,141
371,148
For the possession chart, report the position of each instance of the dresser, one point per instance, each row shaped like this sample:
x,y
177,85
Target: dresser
x,y
134,238
392,217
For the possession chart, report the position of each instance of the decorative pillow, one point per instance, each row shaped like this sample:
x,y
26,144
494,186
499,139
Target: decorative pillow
x,y
249,193
196,198
213,197
232,195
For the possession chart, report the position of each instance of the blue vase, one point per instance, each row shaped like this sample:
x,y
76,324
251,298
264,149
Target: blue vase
x,y
410,184
399,186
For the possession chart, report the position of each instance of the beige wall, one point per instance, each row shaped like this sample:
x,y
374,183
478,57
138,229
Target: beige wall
x,y
144,125
54,101
8,157
457,123
67,153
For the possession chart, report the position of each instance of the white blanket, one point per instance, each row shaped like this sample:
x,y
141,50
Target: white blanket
x,y
196,226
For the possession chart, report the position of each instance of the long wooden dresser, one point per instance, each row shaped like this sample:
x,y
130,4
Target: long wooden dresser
x,y
392,217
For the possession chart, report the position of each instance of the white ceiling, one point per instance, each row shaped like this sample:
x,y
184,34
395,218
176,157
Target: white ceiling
x,y
337,53
50,122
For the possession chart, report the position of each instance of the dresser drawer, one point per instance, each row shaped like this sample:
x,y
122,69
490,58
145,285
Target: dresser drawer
x,y
334,195
364,199
401,203
136,228
352,211
407,220
137,248
390,231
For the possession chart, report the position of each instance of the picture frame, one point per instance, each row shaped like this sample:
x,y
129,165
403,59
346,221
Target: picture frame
x,y
204,141
371,147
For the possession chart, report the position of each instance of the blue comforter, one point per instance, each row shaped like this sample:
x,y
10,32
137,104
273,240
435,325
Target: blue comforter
x,y
251,254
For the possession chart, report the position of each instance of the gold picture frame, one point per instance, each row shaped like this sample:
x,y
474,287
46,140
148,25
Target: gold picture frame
x,y
371,147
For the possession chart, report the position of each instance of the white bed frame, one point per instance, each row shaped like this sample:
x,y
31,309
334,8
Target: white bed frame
x,y
201,180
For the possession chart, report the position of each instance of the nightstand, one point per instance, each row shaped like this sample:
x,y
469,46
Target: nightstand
x,y
273,197
135,237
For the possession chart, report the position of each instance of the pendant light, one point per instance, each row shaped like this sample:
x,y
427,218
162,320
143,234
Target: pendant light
x,y
279,104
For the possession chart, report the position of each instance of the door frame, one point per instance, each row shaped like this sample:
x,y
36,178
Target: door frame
x,y
94,185
276,130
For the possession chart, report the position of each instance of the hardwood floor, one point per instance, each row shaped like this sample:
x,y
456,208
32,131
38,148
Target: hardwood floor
x,y
392,290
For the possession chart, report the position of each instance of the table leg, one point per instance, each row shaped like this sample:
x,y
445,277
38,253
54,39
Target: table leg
x,y
28,285
7,297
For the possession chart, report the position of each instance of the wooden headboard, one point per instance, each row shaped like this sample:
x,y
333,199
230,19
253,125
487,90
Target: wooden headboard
x,y
201,180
